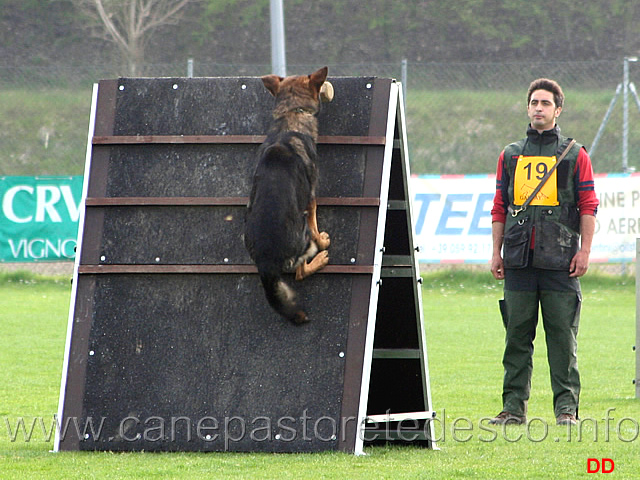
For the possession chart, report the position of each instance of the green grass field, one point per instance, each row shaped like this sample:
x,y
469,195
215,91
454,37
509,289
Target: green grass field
x,y
465,338
44,132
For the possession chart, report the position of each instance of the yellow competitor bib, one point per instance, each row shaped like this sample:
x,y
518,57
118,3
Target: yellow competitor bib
x,y
529,172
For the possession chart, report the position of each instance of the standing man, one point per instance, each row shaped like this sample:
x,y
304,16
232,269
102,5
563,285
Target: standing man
x,y
540,249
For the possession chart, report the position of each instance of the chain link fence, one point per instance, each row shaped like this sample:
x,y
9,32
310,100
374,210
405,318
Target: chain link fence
x,y
459,115
436,76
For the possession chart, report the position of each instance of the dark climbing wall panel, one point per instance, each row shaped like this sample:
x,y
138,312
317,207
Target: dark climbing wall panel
x,y
197,235
227,106
173,345
195,347
154,171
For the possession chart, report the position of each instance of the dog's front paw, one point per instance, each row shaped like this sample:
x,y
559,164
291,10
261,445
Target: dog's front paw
x,y
323,241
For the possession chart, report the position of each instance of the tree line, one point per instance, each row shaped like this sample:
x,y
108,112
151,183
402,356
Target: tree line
x,y
54,32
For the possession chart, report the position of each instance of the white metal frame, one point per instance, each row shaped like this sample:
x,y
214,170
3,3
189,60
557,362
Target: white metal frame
x,y
74,285
395,113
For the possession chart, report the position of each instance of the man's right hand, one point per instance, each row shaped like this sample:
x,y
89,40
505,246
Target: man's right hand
x,y
497,267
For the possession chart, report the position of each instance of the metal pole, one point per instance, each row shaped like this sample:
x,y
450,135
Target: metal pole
x,y
625,114
190,68
278,58
605,120
634,92
403,77
637,345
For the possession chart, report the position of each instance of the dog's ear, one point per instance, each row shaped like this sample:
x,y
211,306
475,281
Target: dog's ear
x,y
326,92
316,79
272,82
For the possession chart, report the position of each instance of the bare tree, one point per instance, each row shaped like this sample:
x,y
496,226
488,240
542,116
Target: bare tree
x,y
130,23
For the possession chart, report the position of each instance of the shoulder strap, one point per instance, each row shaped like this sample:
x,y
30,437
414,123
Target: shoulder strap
x,y
569,142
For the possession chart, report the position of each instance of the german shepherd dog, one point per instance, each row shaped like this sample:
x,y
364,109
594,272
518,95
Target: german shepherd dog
x,y
281,230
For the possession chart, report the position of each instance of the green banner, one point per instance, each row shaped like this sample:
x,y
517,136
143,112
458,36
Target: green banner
x,y
39,220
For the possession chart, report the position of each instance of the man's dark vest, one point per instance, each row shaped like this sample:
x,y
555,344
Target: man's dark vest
x,y
557,228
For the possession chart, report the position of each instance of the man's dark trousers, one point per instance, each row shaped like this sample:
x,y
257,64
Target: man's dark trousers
x,y
560,298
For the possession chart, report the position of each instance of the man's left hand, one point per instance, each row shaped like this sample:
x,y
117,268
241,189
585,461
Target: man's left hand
x,y
579,264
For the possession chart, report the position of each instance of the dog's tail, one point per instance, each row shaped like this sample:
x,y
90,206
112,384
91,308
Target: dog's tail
x,y
282,297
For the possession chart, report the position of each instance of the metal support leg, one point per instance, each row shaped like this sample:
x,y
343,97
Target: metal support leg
x,y
605,120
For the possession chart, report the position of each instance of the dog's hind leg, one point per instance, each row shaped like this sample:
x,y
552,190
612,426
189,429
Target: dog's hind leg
x,y
322,239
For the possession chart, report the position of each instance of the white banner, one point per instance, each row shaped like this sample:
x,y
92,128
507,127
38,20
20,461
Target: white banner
x,y
452,215
618,219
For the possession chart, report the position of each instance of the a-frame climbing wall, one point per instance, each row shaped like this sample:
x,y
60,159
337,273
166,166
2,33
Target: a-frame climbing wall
x,y
171,344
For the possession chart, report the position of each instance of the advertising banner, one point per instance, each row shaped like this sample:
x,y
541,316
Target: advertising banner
x,y
39,220
452,215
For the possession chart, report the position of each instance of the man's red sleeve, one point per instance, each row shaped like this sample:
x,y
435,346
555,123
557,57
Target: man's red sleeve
x,y
587,199
499,210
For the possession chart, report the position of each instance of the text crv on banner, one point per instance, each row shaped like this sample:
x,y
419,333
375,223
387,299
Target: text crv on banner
x,y
39,220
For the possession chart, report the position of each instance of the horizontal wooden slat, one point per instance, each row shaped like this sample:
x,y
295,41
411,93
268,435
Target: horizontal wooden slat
x,y
400,417
397,272
164,201
397,205
225,139
214,201
175,139
348,201
204,269
345,140
396,353
397,261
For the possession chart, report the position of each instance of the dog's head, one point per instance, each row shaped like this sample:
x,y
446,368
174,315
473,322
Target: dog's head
x,y
304,91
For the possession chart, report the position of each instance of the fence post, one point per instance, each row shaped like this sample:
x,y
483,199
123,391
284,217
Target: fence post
x,y
403,79
190,68
625,113
637,345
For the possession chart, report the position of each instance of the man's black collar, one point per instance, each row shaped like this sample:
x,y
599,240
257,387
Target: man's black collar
x,y
545,138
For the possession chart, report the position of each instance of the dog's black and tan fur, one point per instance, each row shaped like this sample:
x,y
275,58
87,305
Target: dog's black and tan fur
x,y
281,230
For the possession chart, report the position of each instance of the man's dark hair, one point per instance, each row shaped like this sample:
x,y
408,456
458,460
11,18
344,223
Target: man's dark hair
x,y
548,85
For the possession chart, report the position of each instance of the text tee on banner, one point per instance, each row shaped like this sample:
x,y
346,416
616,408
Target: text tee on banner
x,y
39,219
453,217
